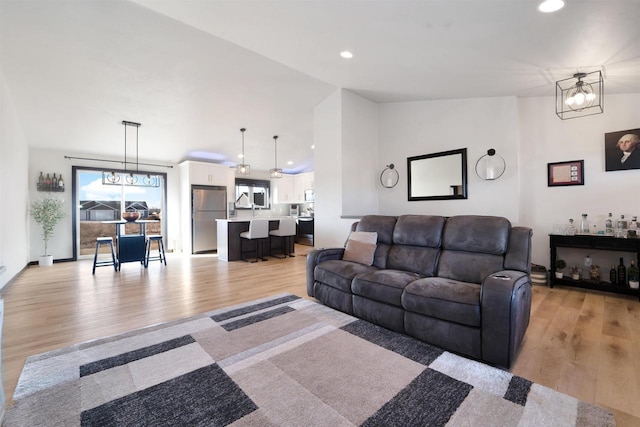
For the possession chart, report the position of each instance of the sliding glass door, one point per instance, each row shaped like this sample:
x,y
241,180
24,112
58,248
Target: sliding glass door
x,y
96,202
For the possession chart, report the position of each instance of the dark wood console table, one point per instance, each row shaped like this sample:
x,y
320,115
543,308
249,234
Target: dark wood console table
x,y
585,241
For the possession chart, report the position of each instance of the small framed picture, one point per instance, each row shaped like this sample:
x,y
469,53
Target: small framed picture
x,y
565,173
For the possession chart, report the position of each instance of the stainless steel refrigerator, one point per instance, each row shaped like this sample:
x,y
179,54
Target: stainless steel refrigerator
x,y
208,203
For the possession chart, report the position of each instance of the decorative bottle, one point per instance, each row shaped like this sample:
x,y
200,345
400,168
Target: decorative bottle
x,y
54,181
571,230
622,223
608,225
633,225
633,274
621,228
622,273
41,179
47,181
613,275
60,183
584,225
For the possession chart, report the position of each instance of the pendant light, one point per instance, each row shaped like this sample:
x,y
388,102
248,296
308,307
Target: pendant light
x,y
275,172
243,168
130,178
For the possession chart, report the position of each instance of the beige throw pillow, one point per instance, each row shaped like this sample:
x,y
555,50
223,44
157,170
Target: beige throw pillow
x,y
361,247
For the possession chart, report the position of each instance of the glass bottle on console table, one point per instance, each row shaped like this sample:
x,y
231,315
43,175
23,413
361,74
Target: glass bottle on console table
x,y
622,273
571,230
633,227
608,225
584,225
621,229
613,275
633,274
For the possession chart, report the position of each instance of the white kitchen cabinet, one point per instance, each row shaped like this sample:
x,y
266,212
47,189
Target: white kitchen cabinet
x,y
303,181
283,189
290,188
207,173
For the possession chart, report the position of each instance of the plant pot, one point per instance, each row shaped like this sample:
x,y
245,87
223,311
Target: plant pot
x,y
558,274
45,261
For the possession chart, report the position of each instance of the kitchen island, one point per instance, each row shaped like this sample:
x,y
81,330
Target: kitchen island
x,y
229,239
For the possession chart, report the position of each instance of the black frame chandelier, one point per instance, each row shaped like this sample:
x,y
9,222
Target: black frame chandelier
x,y
275,172
130,178
580,95
243,168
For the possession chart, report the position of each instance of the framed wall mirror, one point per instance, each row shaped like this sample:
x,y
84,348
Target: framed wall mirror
x,y
438,176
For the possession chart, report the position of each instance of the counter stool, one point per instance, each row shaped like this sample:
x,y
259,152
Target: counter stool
x,y
102,263
286,230
161,256
258,231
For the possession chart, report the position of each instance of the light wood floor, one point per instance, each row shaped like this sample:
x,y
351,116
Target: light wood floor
x,y
585,344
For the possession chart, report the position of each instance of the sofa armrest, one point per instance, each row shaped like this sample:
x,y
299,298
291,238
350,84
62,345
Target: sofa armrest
x,y
505,306
317,256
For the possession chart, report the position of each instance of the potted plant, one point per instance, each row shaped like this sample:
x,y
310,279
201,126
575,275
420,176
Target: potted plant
x,y
47,212
560,264
576,272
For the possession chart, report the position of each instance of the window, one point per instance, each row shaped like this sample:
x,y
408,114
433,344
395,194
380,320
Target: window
x,y
252,193
95,202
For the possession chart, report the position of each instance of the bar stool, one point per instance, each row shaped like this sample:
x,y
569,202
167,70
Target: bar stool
x,y
258,231
161,255
286,229
102,263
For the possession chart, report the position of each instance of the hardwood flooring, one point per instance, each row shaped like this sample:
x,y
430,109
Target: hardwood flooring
x,y
582,343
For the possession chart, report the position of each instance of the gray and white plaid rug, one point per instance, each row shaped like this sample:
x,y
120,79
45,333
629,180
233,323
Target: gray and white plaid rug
x,y
279,361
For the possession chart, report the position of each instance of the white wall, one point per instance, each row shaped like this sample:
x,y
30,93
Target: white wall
x,y
61,245
14,234
525,131
414,128
330,230
359,143
544,138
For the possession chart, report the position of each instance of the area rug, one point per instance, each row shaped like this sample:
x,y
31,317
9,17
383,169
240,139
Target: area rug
x,y
279,361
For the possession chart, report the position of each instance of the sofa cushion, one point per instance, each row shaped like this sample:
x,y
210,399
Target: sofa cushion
x,y
361,247
419,230
383,285
470,267
339,274
416,259
381,224
445,299
471,233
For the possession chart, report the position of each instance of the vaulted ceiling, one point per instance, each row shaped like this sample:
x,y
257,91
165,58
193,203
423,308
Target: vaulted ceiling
x,y
195,72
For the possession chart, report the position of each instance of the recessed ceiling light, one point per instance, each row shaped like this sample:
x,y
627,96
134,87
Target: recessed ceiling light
x,y
548,6
289,162
313,146
240,156
346,54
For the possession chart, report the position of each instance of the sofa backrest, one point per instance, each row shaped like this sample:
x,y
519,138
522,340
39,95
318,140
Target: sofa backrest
x,y
473,247
416,244
464,247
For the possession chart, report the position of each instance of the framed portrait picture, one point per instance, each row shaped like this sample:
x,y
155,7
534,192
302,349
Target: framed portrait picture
x,y
622,150
565,173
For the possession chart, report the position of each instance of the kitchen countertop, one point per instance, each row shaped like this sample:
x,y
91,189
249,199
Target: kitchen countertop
x,y
267,218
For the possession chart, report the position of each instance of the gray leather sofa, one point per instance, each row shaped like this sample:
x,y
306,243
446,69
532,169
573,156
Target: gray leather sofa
x,y
461,283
